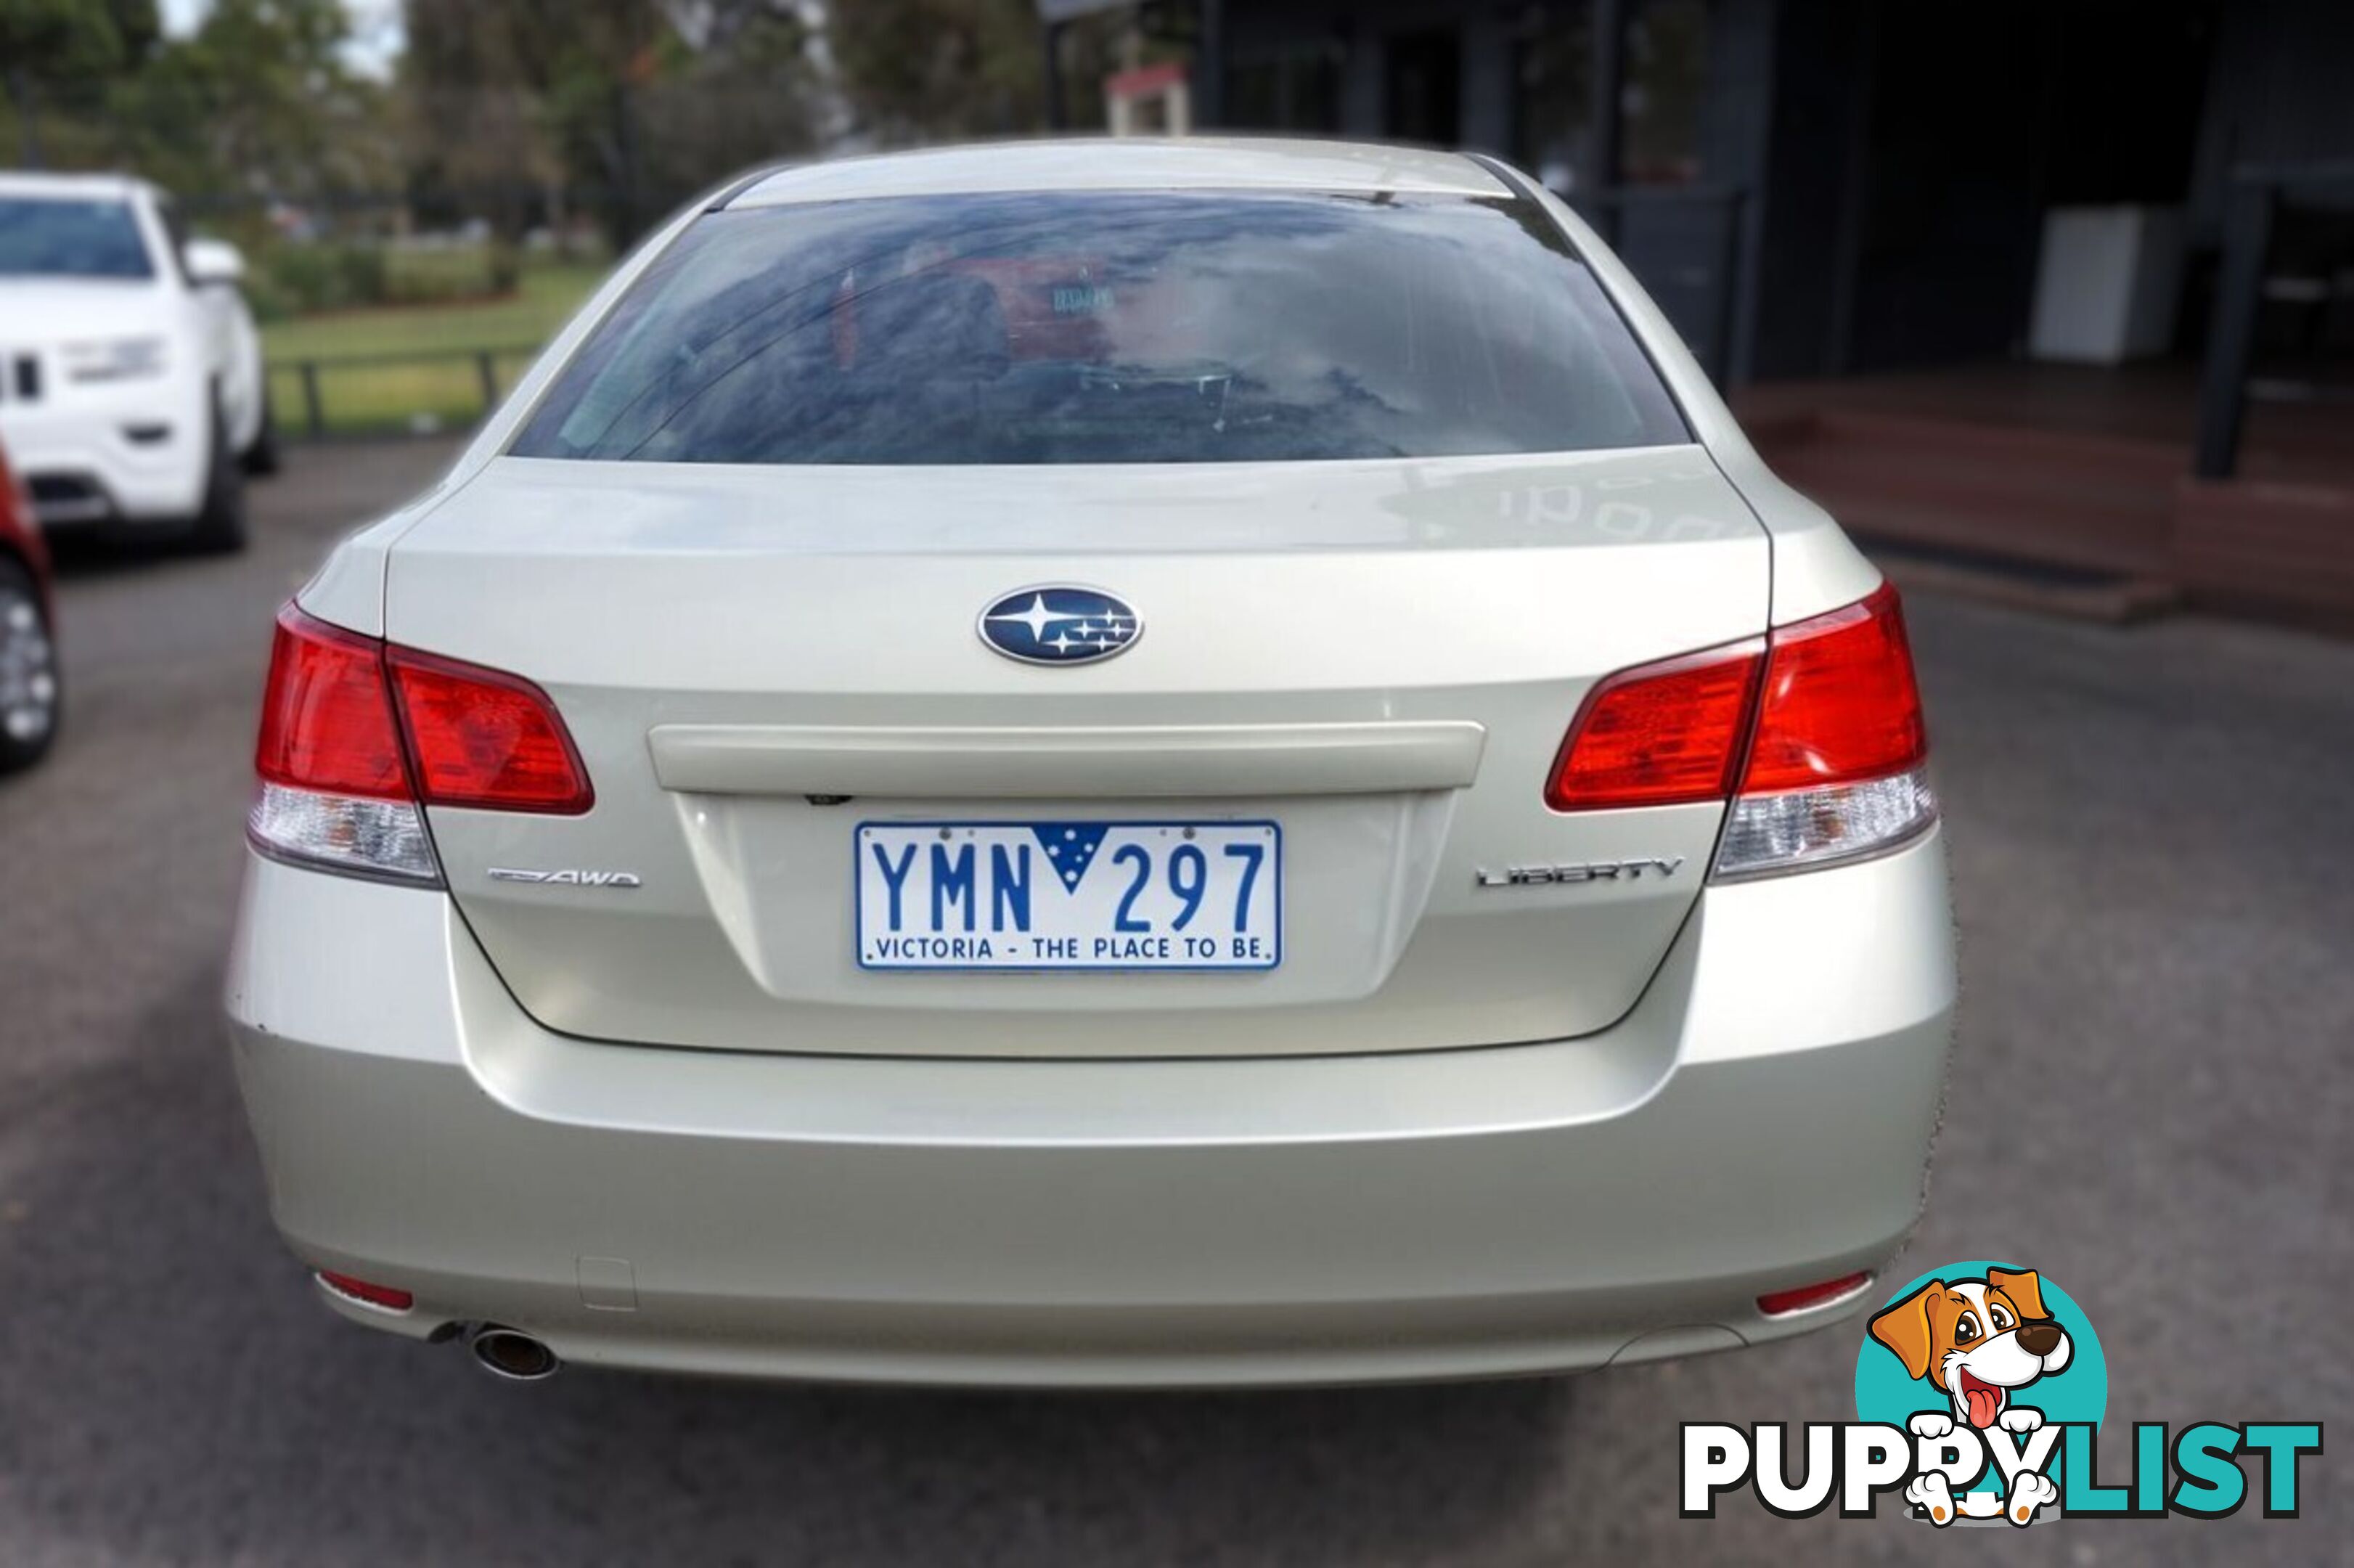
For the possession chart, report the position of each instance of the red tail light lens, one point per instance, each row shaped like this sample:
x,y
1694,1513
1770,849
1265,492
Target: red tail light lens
x,y
1659,735
1839,704
326,718
486,740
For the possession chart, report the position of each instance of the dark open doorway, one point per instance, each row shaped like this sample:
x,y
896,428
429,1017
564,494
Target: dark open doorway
x,y
1979,120
1424,96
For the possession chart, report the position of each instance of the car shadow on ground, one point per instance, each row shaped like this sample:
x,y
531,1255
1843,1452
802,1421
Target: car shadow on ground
x,y
174,1391
76,556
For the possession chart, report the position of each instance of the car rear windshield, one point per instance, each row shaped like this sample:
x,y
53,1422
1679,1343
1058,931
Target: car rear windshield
x,y
1107,328
46,237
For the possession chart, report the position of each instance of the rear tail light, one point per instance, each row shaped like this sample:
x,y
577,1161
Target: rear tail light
x,y
357,737
1816,735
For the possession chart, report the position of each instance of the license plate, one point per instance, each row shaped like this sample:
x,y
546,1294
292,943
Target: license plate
x,y
1069,895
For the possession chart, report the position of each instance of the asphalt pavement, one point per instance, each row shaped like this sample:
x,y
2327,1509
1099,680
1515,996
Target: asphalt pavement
x,y
2152,1101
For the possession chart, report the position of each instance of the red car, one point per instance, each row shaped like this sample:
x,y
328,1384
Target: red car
x,y
28,657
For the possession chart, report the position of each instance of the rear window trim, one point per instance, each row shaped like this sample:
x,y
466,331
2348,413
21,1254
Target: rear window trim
x,y
1524,191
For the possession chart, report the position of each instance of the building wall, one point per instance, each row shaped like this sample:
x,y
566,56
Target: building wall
x,y
1915,149
1745,93
1361,32
1807,183
1688,244
1874,175
2280,89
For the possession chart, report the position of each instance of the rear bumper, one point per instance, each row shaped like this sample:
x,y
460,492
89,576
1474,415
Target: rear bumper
x,y
130,454
1760,1120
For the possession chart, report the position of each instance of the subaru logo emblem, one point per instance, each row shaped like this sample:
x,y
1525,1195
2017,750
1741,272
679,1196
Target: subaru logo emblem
x,y
1060,623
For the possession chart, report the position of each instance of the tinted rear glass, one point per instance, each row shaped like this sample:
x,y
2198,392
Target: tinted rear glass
x,y
1107,328
49,237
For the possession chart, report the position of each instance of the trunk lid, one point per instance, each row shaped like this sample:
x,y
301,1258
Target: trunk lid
x,y
1378,658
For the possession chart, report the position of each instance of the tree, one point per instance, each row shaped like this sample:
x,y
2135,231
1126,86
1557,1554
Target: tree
x,y
65,52
733,86
259,101
920,71
634,103
256,103
473,125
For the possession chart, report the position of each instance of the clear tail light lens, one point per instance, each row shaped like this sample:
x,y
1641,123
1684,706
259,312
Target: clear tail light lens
x,y
357,737
1816,734
342,833
1792,829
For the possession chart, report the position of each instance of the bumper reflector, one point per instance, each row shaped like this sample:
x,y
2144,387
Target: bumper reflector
x,y
383,1298
1780,1303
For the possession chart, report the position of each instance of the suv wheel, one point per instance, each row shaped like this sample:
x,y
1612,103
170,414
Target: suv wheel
x,y
261,458
28,671
221,526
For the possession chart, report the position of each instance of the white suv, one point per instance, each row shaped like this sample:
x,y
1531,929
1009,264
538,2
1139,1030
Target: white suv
x,y
132,392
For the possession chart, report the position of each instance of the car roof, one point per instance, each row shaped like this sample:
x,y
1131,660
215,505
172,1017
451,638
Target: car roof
x,y
1127,164
94,187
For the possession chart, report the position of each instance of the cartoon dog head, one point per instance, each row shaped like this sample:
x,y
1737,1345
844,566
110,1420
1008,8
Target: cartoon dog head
x,y
1975,1340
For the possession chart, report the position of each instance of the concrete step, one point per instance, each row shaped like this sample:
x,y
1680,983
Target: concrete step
x,y
2110,598
2090,501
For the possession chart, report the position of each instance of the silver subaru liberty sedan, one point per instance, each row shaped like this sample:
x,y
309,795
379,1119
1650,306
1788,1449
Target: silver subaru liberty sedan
x,y
1180,763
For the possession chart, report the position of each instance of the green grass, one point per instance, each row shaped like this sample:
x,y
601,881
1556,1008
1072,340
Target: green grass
x,y
358,398
548,295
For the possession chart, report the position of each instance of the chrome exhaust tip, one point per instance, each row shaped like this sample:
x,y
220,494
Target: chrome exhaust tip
x,y
512,1355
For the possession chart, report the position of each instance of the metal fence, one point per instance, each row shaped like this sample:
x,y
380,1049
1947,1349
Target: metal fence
x,y
425,392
